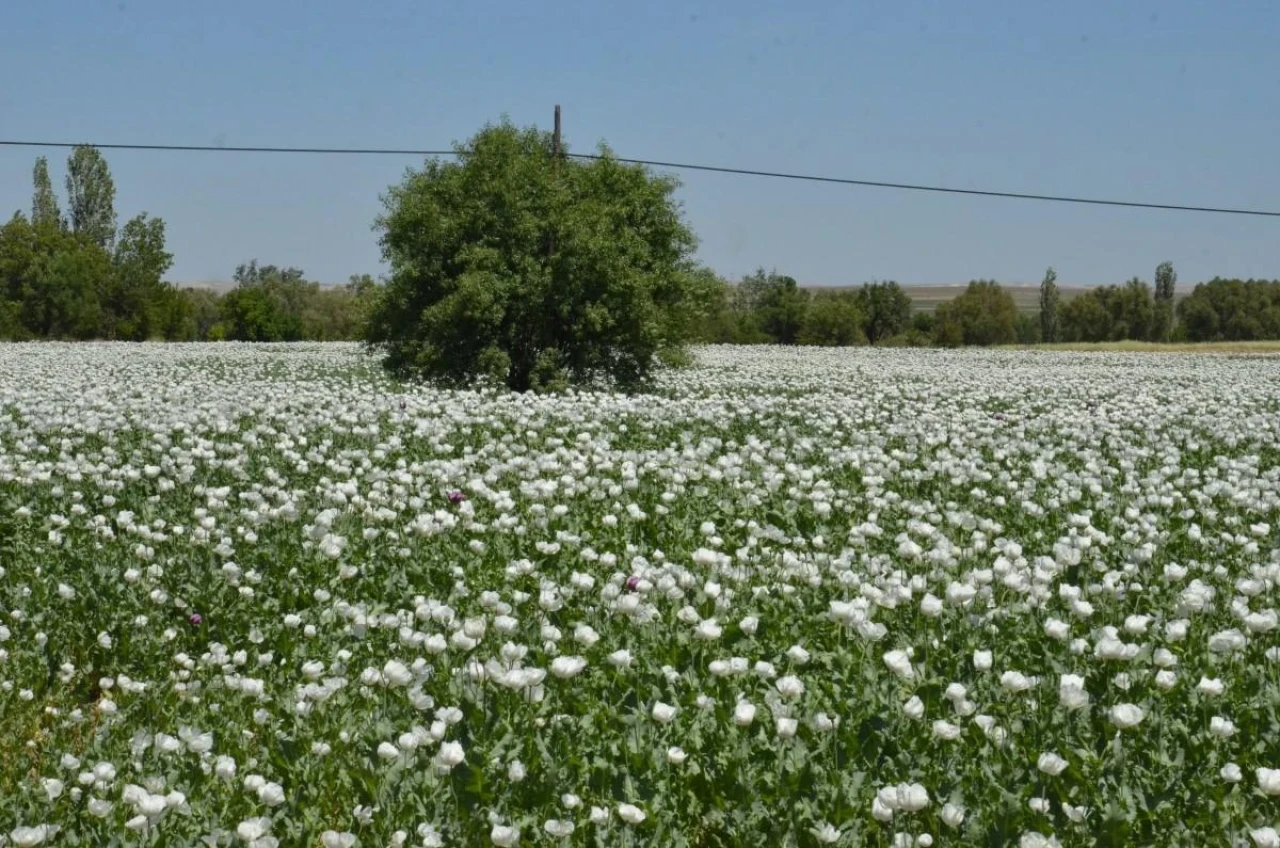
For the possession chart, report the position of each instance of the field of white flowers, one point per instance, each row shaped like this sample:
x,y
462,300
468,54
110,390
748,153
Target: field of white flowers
x,y
260,596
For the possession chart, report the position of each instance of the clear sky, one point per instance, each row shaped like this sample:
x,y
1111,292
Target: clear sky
x,y
1173,101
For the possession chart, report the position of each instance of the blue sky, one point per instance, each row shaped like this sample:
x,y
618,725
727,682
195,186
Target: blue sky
x,y
1171,101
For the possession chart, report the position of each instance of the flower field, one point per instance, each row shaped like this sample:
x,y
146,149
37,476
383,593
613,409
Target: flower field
x,y
259,596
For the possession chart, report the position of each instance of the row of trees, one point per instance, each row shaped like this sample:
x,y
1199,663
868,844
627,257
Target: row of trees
x,y
1219,310
270,304
771,308
1231,310
75,275
1132,311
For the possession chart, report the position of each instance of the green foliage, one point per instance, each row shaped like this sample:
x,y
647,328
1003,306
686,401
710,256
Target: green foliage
x,y
985,314
717,320
1028,329
135,297
833,319
18,253
1084,319
567,266
1231,310
190,315
1110,313
67,285
924,322
707,317
1162,314
910,337
1132,309
91,195
886,310
362,292
86,281
44,203
778,304
1162,320
1050,300
1166,280
251,315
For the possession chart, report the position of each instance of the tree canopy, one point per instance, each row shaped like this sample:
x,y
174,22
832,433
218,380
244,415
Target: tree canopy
x,y
532,269
886,309
1050,300
985,314
91,196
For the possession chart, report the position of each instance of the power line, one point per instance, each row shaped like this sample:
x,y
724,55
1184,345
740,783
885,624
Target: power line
x,y
945,190
212,148
683,166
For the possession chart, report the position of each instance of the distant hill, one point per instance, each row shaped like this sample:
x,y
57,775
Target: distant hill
x,y
224,286
927,298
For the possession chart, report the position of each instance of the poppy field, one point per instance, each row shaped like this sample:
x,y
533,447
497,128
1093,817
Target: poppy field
x,y
260,595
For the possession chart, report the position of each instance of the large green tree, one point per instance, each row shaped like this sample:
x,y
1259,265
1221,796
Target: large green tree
x,y
136,300
268,303
91,196
1049,300
530,268
778,303
886,310
1084,319
833,319
984,314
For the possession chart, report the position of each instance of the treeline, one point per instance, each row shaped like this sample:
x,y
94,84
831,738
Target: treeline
x,y
1219,310
1231,310
270,304
771,308
76,275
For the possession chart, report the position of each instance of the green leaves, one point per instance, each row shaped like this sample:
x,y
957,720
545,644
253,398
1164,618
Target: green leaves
x,y
91,197
560,271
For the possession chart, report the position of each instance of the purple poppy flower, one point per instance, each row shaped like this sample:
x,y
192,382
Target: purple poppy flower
x,y
456,497
633,583
195,619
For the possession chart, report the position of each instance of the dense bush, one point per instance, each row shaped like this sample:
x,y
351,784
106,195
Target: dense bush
x,y
533,269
